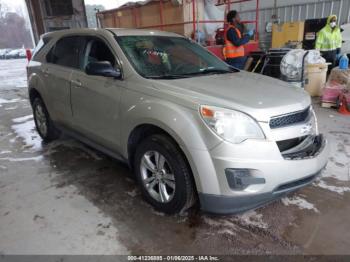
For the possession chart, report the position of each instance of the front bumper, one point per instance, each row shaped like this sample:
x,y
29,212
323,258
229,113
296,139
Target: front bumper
x,y
280,174
236,204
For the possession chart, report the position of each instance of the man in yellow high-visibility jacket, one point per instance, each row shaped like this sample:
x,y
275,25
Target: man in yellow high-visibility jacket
x,y
329,41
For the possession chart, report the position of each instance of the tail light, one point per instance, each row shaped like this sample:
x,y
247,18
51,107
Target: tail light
x,y
28,54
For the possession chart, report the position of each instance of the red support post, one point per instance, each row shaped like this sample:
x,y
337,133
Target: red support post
x,y
257,21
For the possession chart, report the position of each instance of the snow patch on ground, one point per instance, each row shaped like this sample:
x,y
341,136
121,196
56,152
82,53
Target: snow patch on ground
x,y
10,108
26,131
337,189
233,224
337,169
5,152
20,81
338,166
5,101
227,232
158,213
5,136
13,74
252,218
301,203
134,192
226,222
22,119
21,159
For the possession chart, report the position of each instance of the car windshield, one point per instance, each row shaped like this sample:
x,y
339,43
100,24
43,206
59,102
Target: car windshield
x,y
162,57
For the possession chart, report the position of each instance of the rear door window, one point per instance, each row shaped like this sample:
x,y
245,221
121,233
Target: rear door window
x,y
67,52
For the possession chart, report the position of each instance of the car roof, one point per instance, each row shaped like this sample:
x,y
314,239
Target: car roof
x,y
116,31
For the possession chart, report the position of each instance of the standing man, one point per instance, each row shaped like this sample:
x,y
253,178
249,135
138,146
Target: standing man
x,y
234,40
329,41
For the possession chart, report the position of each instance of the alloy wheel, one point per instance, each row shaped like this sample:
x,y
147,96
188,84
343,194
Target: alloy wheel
x,y
157,176
41,120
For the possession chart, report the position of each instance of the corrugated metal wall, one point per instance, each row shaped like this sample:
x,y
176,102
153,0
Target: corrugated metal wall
x,y
298,12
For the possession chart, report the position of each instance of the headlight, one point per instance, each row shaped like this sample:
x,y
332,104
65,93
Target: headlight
x,y
231,125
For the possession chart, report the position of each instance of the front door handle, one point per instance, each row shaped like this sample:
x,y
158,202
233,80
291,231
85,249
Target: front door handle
x,y
76,83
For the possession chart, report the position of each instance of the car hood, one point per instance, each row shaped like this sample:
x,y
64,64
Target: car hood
x,y
259,96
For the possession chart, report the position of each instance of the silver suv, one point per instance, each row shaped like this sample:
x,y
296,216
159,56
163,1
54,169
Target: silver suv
x,y
190,126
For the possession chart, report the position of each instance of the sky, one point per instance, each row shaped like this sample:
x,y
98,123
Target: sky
x,y
13,4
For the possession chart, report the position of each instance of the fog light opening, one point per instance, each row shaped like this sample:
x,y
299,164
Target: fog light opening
x,y
240,179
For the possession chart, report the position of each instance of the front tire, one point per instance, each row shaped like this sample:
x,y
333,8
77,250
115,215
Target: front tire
x,y
43,122
164,175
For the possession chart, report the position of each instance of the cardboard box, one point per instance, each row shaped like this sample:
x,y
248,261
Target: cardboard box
x,y
340,76
287,32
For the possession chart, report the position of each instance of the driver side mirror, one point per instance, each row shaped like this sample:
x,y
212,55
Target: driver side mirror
x,y
102,68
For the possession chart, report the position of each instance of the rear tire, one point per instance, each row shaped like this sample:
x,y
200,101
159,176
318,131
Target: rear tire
x,y
164,175
43,122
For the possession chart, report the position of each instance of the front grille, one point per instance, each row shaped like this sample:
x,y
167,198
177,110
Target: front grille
x,y
290,119
284,145
311,148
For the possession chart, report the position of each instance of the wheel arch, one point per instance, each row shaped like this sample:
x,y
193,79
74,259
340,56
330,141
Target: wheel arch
x,y
142,131
36,88
34,93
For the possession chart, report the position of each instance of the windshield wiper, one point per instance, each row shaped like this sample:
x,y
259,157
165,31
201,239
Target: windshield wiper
x,y
167,76
211,71
208,70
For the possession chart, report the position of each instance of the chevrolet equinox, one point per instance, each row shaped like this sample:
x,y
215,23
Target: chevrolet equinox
x,y
191,127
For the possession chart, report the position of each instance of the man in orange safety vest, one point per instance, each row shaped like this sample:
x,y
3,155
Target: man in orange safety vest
x,y
235,40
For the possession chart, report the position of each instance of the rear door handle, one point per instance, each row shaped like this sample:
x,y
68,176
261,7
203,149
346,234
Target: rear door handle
x,y
76,83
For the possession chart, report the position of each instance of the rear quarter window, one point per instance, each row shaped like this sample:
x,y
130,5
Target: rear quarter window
x,y
39,47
